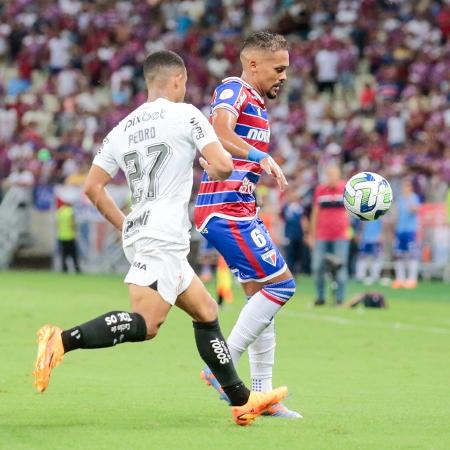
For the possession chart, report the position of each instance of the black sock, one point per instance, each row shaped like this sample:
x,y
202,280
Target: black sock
x,y
214,351
107,330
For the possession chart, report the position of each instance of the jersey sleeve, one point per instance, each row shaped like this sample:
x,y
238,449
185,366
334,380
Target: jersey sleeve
x,y
230,96
105,158
199,129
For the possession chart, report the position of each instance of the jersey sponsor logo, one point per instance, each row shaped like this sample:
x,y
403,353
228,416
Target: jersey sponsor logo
x,y
270,257
226,93
247,187
259,135
145,117
197,128
132,225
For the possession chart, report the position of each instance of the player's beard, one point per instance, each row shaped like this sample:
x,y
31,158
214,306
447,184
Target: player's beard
x,y
271,94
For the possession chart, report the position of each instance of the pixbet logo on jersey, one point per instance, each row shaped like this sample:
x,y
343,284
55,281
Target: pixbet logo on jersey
x,y
144,117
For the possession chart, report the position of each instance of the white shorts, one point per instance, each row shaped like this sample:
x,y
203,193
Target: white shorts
x,y
162,262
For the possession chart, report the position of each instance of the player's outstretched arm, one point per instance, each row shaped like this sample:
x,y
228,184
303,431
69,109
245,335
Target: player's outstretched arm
x,y
216,162
224,123
95,190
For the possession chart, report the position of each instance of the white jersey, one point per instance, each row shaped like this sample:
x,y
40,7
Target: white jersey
x,y
155,147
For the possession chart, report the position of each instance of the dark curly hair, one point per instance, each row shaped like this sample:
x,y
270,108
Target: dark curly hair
x,y
265,40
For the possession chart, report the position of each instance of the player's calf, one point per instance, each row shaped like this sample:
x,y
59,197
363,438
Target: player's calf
x,y
107,330
257,315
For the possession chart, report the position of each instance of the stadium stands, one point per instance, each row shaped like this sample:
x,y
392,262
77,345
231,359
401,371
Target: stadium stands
x,y
369,81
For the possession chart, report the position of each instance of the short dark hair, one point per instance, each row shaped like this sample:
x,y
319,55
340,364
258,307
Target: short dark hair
x,y
265,40
163,59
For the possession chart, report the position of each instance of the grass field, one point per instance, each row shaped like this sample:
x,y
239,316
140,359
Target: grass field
x,y
363,379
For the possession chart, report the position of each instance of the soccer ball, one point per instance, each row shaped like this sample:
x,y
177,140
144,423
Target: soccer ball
x,y
367,196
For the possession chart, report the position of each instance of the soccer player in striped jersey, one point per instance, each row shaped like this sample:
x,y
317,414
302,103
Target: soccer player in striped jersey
x,y
226,212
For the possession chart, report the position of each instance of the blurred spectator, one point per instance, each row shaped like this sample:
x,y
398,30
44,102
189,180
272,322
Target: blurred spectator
x,y
66,233
21,178
369,263
295,226
406,248
396,129
70,70
329,232
327,60
367,98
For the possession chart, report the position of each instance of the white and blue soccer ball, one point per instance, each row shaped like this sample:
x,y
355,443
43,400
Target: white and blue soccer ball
x,y
367,196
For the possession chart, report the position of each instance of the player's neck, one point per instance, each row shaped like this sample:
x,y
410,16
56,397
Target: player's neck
x,y
156,93
246,78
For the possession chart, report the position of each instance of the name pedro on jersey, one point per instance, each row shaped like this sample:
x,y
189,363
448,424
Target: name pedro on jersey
x,y
144,134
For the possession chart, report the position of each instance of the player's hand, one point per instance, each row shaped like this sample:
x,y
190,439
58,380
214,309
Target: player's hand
x,y
208,168
272,168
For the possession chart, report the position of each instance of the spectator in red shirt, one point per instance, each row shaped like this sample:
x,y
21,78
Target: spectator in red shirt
x,y
329,232
367,98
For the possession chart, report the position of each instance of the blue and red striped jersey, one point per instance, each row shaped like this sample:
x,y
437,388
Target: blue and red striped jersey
x,y
233,198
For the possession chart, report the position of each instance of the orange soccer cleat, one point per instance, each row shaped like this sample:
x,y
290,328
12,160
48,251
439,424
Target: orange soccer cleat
x,y
257,403
50,353
398,284
410,284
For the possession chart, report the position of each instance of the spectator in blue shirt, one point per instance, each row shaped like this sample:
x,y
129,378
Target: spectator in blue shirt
x,y
369,263
406,248
294,223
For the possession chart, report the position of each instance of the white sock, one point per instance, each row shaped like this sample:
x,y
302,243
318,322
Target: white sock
x,y
400,271
255,316
413,269
262,384
261,355
375,269
361,268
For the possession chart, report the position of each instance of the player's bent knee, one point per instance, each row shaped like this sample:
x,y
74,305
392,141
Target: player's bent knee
x,y
152,328
207,311
281,291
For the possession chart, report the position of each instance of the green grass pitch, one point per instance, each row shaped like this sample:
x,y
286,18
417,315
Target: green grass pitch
x,y
363,379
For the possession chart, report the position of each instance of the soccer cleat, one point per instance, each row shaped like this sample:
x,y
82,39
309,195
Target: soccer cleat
x,y
279,410
50,354
397,284
257,403
319,302
410,284
211,380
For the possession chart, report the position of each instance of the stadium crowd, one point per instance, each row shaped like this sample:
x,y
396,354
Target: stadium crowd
x,y
368,85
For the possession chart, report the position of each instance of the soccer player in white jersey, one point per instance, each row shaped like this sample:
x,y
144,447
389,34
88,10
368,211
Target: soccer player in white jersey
x,y
155,146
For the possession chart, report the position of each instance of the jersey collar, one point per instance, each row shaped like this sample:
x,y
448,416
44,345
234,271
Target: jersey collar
x,y
248,86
